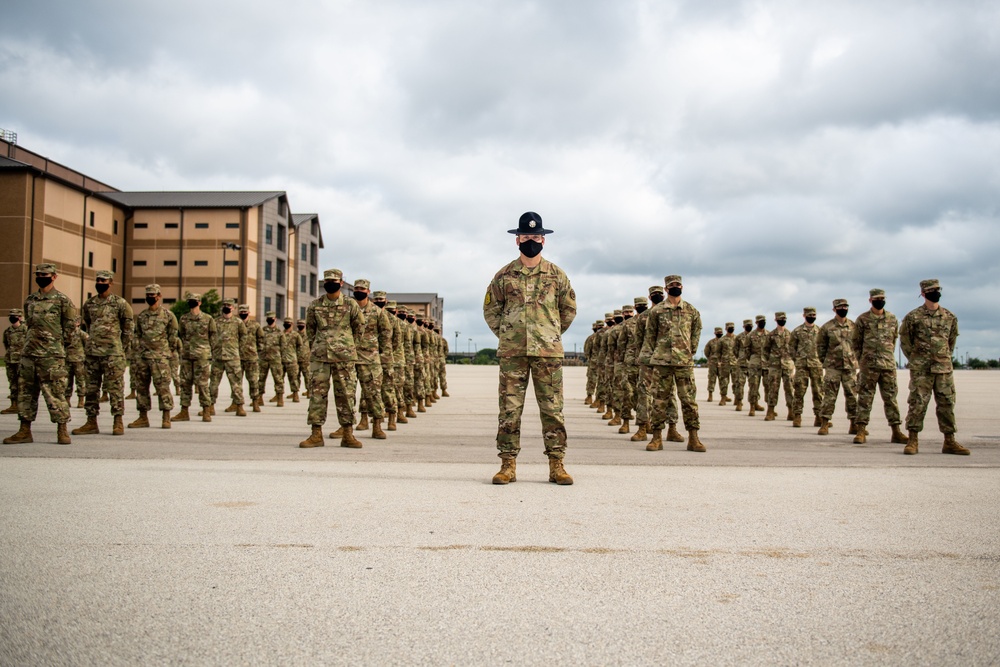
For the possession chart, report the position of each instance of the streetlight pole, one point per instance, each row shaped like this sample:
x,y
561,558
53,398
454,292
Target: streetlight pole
x,y
469,348
227,245
456,341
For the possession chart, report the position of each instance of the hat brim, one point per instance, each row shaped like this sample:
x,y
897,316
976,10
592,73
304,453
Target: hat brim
x,y
542,231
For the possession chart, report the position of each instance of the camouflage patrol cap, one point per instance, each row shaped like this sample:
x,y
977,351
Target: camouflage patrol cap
x,y
876,292
105,275
617,312
809,310
244,308
627,308
746,322
641,301
609,316
929,285
270,313
840,302
229,302
673,278
391,304
152,289
333,274
378,294
362,283
655,289
300,323
598,323
192,295
780,315
730,324
15,311
718,329
45,268
760,318
289,320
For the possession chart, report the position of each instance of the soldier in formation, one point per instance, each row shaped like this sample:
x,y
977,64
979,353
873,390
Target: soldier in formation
x,y
231,335
197,331
13,342
271,358
250,351
156,333
290,357
76,369
874,341
374,350
780,366
713,357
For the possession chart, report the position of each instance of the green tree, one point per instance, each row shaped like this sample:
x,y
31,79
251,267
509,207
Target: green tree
x,y
977,363
485,357
210,304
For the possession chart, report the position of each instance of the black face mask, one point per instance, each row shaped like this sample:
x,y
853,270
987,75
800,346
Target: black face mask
x,y
102,287
609,323
411,320
730,329
331,286
43,281
641,308
401,316
380,304
192,304
287,325
619,319
842,312
674,291
243,316
810,319
360,296
530,248
302,328
227,310
13,319
420,322
656,297
878,304
748,327
762,324
150,300
781,323
270,321
718,334
933,297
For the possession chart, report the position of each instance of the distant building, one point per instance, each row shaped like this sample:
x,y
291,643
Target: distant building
x,y
425,303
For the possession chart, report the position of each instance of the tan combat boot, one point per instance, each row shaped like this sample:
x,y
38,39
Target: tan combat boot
x,y
420,405
694,444
401,417
62,435
274,399
377,431
339,433
673,435
281,401
751,412
295,397
206,414
12,410
23,435
789,417
348,439
598,405
624,428
363,423
557,473
656,443
106,398
410,414
769,417
79,402
391,425
118,427
710,399
608,414
444,393
181,416
231,408
897,436
616,419
90,428
315,438
853,429
912,444
141,422
951,446
589,400
240,411
758,407
640,434
165,421
256,404
738,407
508,471
824,428
818,421
797,421
861,437
723,400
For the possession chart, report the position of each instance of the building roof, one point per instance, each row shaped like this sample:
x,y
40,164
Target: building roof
x,y
7,163
192,199
413,297
299,218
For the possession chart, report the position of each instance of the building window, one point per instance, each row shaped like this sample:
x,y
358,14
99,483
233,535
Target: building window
x,y
268,234
140,225
142,300
114,265
116,227
279,304
313,254
232,225
267,269
232,262
267,304
171,225
282,211
90,260
201,225
139,262
302,284
302,312
169,300
170,262
312,284
281,237
303,252
280,271
91,218
315,228
201,262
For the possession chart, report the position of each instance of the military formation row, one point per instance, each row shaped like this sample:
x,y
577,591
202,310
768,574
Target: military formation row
x,y
641,360
396,356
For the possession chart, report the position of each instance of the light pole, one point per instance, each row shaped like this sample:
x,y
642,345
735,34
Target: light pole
x,y
226,245
456,341
469,348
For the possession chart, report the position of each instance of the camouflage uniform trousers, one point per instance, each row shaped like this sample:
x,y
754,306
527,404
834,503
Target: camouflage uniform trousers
x,y
725,372
775,378
443,375
808,377
739,377
713,376
45,376
105,374
389,390
13,373
370,378
833,378
292,373
175,370
419,382
885,381
643,398
667,380
277,370
76,371
546,376
630,390
341,376
251,369
621,389
591,379
155,371
756,377
304,375
195,373
922,386
234,371
399,382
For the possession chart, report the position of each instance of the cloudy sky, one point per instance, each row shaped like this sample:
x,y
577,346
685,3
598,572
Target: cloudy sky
x,y
776,154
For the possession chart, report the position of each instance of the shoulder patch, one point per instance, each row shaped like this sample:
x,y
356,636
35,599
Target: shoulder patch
x,y
489,298
572,294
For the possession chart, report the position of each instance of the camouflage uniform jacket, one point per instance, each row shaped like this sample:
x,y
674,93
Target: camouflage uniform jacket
x,y
778,349
928,339
834,345
375,343
50,321
398,335
742,348
231,338
155,334
804,352
333,325
673,333
290,346
755,348
197,333
13,341
643,352
110,322
252,344
529,309
408,333
76,348
272,348
302,349
727,349
588,346
418,343
712,351
637,326
622,339
875,340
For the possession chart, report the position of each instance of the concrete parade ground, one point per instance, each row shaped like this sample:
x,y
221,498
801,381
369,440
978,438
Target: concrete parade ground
x,y
223,543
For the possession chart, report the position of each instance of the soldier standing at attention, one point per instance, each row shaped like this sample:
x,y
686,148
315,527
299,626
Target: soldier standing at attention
x,y
197,332
756,364
808,367
290,357
529,305
781,365
110,323
632,349
271,353
155,333
76,368
928,336
302,355
49,317
13,341
374,348
727,363
333,324
250,356
387,359
398,362
643,397
619,392
741,348
874,343
713,359
588,347
834,345
673,330
231,338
